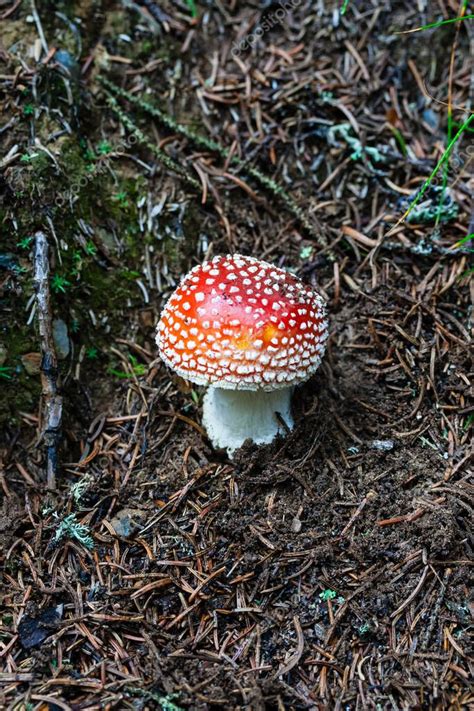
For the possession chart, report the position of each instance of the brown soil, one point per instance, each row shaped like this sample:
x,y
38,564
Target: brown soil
x,y
329,570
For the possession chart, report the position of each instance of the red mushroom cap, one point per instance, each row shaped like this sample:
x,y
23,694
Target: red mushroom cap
x,y
239,323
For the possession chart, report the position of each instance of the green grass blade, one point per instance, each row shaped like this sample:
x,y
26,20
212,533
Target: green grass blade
x,y
192,8
464,240
438,166
432,25
344,7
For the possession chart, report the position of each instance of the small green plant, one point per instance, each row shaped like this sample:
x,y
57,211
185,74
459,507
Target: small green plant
x,y
25,242
130,275
28,110
5,372
345,131
444,158
121,199
77,260
327,97
90,249
92,353
327,594
19,269
166,702
138,369
438,206
70,528
460,609
468,423
80,487
104,148
306,252
399,139
59,284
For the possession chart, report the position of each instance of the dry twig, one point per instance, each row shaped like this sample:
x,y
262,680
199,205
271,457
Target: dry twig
x,y
53,402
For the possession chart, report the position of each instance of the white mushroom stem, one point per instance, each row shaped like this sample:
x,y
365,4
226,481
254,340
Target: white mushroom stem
x,y
232,416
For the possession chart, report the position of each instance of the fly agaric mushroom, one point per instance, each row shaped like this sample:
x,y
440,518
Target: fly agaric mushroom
x,y
250,331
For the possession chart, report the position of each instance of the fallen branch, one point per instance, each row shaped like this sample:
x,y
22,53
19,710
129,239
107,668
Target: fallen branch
x,y
206,143
141,138
53,403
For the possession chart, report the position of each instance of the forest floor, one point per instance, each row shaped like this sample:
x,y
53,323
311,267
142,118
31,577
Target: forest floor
x,y
329,570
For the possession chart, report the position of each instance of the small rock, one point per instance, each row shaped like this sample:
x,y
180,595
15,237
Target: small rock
x,y
127,522
61,339
146,318
320,631
383,445
431,118
67,63
31,363
34,630
296,525
8,262
3,353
